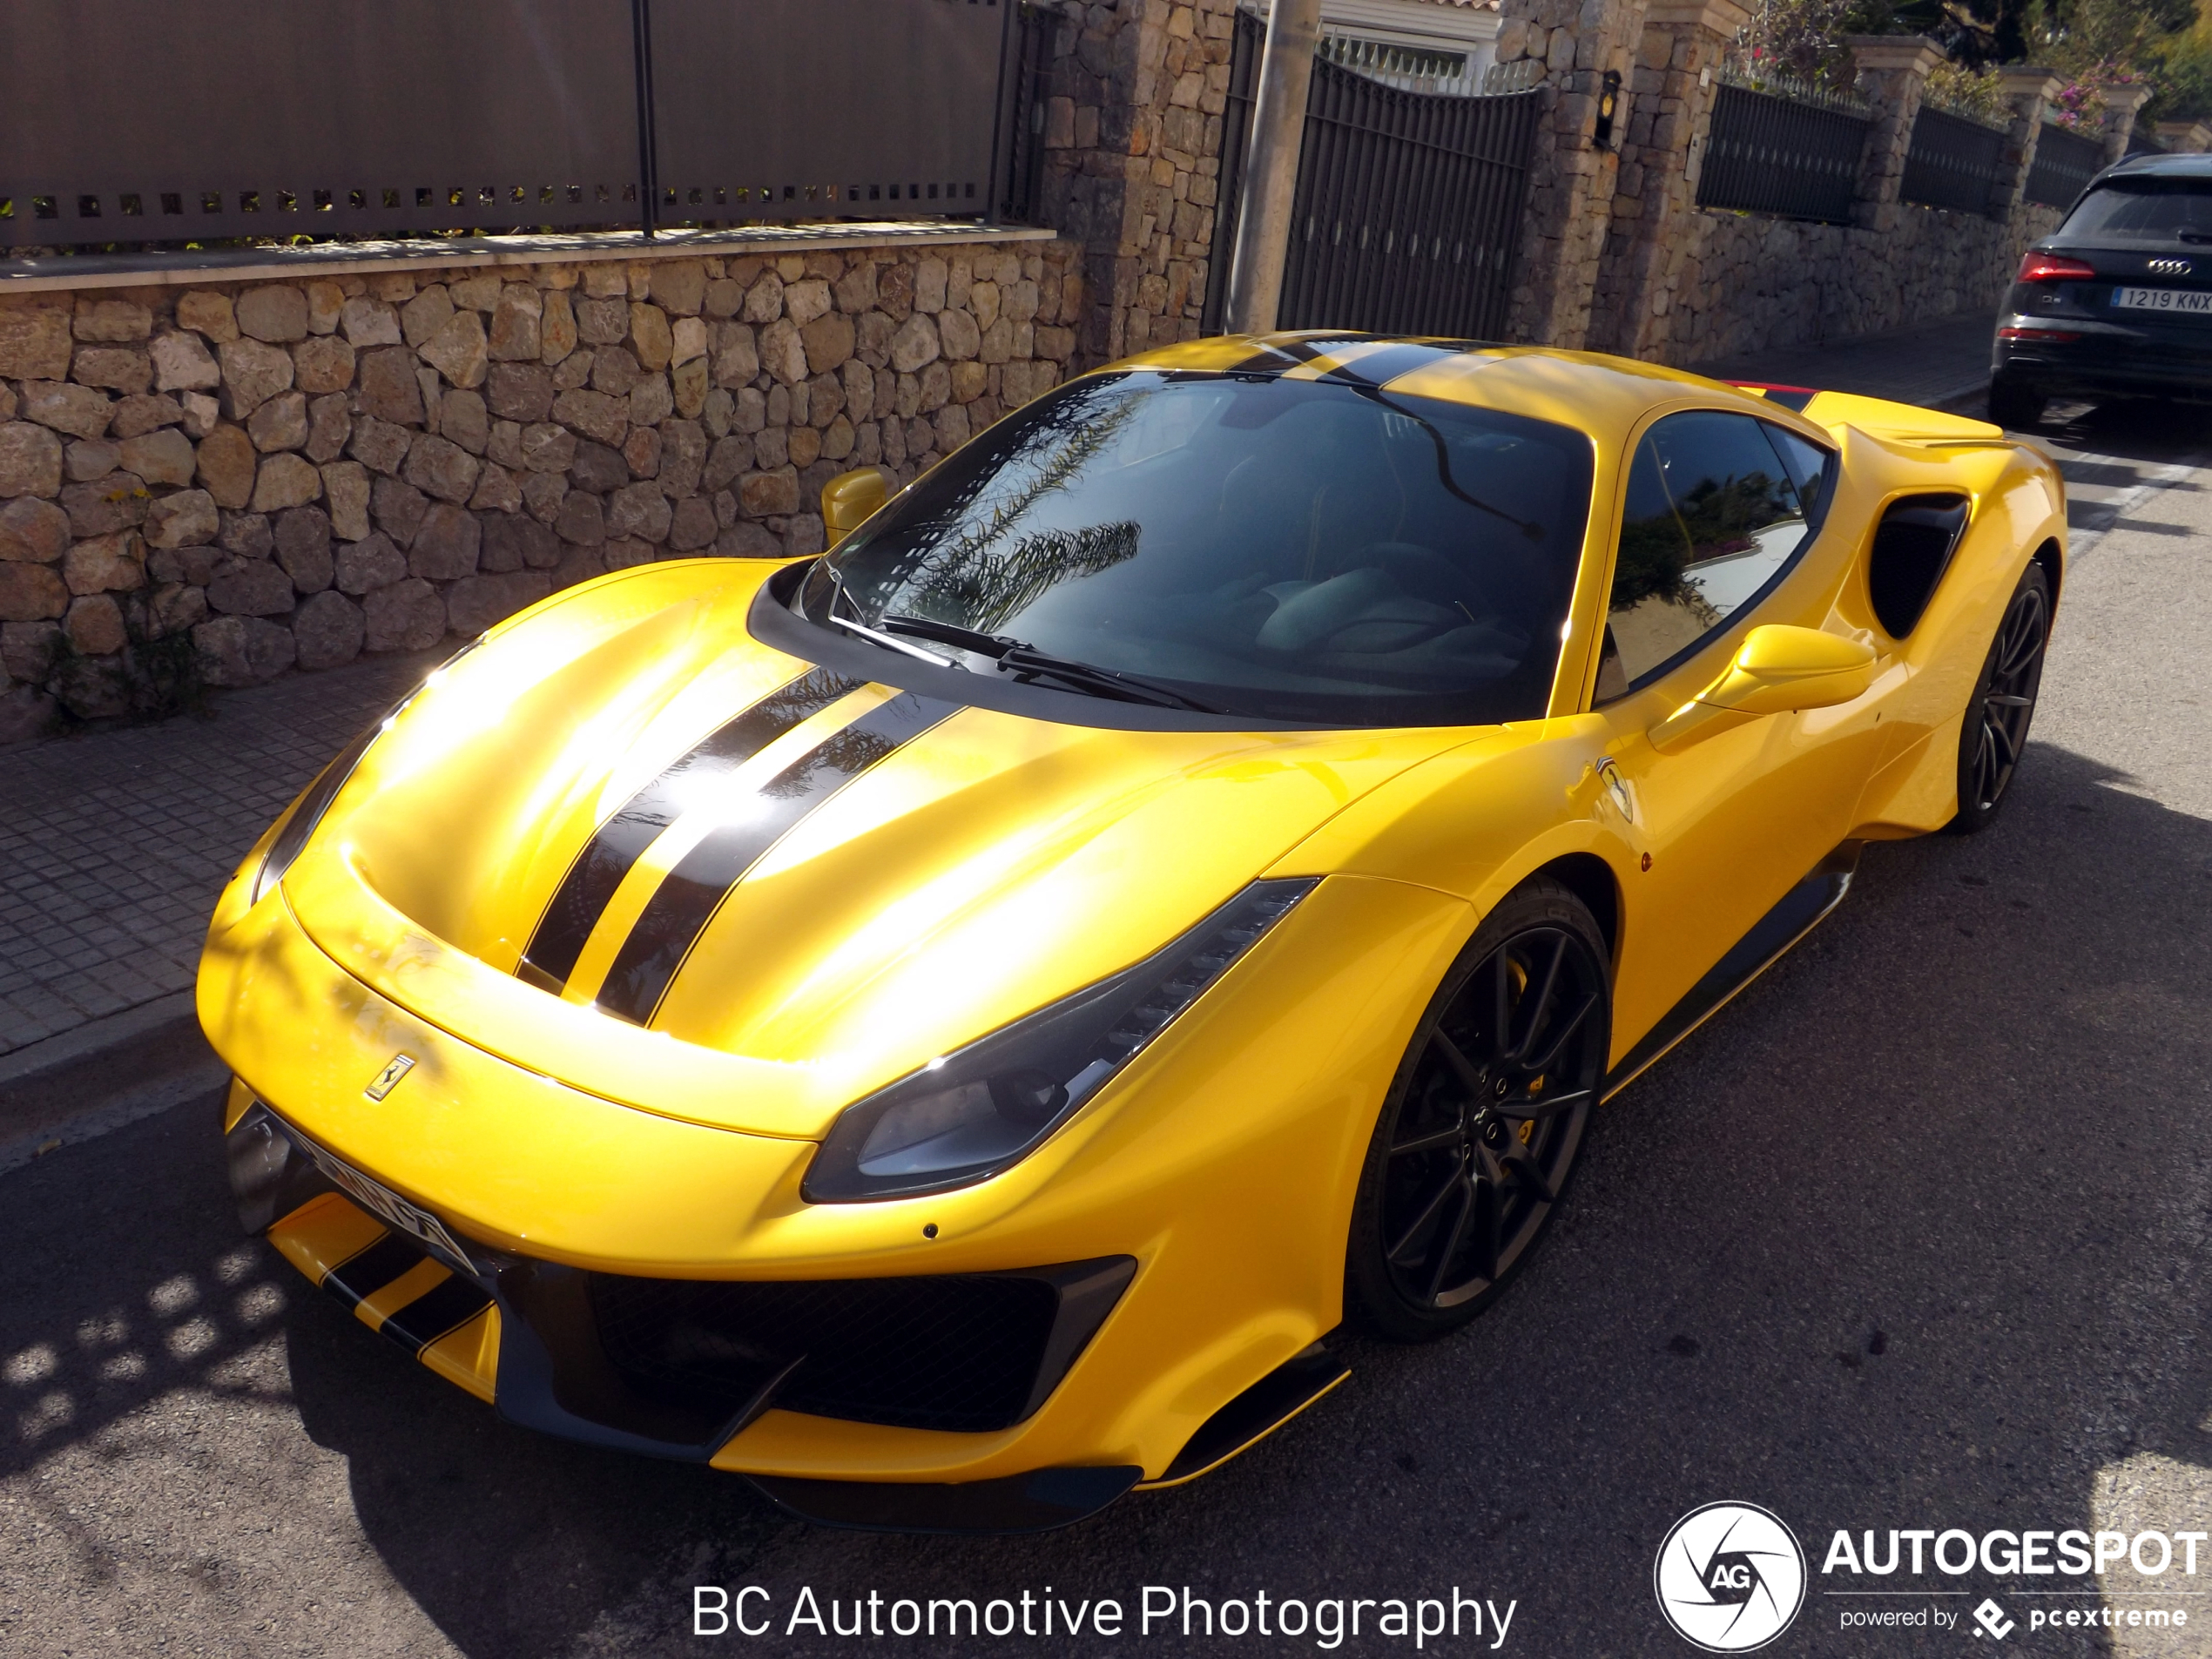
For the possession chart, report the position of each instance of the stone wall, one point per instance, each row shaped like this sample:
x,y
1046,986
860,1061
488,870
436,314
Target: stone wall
x,y
1747,283
1133,161
223,483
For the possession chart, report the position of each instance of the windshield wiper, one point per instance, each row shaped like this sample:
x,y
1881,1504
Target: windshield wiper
x,y
1027,661
839,596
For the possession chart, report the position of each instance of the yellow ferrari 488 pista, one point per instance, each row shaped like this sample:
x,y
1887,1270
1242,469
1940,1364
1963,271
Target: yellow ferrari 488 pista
x,y
947,1029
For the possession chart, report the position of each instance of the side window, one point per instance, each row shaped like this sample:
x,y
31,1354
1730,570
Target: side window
x,y
1716,509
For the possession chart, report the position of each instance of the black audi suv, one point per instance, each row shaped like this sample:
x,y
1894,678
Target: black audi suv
x,y
2118,299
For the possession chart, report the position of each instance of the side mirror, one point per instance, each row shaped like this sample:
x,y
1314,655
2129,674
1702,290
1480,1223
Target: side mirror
x,y
1778,670
850,498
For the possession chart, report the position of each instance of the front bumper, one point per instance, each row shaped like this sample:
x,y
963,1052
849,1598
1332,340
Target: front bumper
x,y
1234,1215
680,1368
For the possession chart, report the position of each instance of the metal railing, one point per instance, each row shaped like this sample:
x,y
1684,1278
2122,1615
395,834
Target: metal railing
x,y
1026,96
1771,152
1954,162
1408,209
1410,68
2065,163
1409,205
199,119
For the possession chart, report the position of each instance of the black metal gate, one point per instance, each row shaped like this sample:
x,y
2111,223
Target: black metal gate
x,y
1409,205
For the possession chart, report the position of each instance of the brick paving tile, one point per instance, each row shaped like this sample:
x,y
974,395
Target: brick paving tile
x,y
114,844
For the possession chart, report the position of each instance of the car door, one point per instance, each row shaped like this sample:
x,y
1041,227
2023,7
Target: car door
x,y
1721,515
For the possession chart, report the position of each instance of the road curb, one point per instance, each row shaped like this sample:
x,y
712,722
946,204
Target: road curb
x,y
105,1074
94,1036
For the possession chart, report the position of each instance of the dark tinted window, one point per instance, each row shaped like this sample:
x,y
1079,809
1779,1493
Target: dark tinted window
x,y
2143,210
1716,511
1293,550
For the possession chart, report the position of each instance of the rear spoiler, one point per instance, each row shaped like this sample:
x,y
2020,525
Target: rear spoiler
x,y
1900,422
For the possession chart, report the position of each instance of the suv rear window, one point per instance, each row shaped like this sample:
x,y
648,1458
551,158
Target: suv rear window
x,y
2148,209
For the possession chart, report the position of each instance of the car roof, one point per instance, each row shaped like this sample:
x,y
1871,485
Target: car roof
x,y
2191,166
1587,390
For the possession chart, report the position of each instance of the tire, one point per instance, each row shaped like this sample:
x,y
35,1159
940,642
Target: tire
x,y
1993,736
2013,403
1484,1120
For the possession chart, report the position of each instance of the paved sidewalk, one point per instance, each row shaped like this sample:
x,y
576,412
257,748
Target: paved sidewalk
x,y
1940,365
114,845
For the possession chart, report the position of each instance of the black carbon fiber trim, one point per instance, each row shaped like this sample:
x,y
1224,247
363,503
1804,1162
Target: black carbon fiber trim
x,y
1380,368
586,890
678,913
449,1306
1290,353
358,1278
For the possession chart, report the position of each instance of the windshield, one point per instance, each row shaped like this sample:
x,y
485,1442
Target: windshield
x,y
1294,550
2148,209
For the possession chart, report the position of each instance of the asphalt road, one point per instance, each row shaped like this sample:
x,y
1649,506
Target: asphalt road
x,y
1913,1236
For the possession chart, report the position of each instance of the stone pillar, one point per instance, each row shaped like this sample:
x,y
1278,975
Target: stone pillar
x,y
1892,74
2121,102
1675,82
1133,147
2027,92
1571,180
2185,138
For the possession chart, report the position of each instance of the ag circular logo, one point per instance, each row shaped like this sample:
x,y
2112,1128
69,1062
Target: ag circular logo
x,y
1730,1577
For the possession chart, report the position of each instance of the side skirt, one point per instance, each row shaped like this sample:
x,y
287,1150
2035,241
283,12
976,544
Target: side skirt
x,y
1803,909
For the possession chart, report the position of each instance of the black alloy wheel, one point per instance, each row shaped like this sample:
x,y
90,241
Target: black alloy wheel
x,y
1484,1119
1993,736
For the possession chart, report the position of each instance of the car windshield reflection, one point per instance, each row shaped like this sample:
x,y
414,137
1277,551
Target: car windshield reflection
x,y
1300,550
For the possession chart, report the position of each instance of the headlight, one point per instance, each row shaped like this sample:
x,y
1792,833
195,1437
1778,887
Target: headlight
x,y
975,1112
291,840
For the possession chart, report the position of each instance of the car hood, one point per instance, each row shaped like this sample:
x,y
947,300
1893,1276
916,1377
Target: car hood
x,y
969,867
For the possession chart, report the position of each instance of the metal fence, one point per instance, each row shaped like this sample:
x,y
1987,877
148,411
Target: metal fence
x,y
1026,98
1954,162
1768,151
2065,163
1408,209
199,119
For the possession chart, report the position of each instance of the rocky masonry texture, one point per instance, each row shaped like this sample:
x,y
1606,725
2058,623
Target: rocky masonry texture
x,y
284,475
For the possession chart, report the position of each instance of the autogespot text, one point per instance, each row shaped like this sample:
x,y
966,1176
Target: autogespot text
x,y
1158,1610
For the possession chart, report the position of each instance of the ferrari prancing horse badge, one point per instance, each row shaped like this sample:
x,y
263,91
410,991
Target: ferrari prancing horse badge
x,y
388,1079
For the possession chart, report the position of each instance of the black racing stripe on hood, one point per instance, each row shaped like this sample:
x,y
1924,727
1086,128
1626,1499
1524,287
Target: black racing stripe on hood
x,y
590,885
680,910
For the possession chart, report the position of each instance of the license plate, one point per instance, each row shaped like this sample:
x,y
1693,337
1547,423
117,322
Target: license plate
x,y
2192,302
385,1204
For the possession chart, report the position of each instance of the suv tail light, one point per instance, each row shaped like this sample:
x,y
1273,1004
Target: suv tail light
x,y
2051,267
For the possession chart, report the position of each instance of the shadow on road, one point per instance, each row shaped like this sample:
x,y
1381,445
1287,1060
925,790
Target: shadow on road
x,y
1912,1236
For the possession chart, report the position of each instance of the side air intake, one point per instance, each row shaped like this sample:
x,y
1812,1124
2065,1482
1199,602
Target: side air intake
x,y
1912,548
